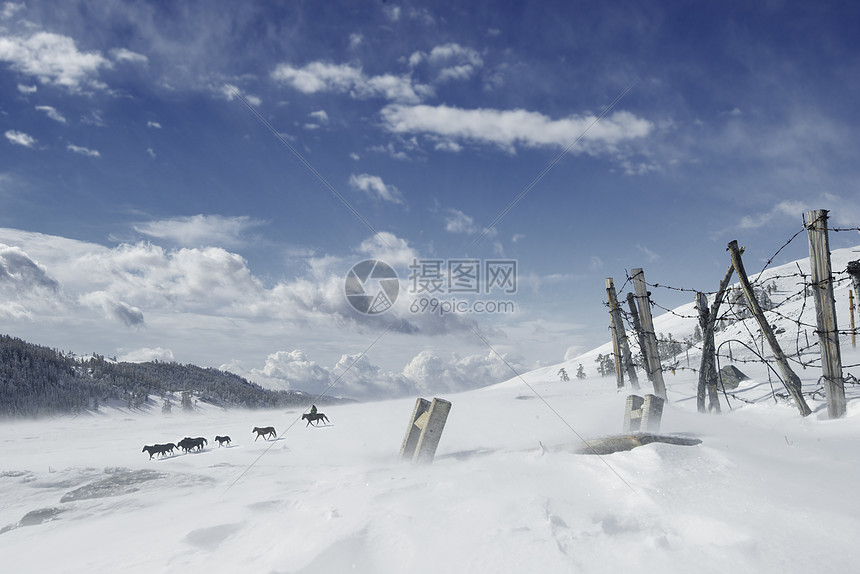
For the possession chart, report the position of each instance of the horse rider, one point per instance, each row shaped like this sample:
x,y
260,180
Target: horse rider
x,y
313,409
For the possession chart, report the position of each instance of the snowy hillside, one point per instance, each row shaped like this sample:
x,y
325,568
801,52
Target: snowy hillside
x,y
766,490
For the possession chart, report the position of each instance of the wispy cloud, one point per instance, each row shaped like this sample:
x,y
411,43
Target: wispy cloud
x,y
229,91
344,78
154,125
125,55
20,138
374,187
199,230
83,151
451,61
52,113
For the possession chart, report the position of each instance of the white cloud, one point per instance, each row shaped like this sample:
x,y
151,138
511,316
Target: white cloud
x,y
374,187
20,138
198,230
459,222
53,59
319,116
355,40
450,61
341,78
355,376
52,113
151,152
389,248
155,125
19,269
229,91
509,128
27,89
83,151
113,308
125,55
10,9
149,293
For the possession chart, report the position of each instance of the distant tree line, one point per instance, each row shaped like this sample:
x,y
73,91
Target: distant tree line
x,y
36,381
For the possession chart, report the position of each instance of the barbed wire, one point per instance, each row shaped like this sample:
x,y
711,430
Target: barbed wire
x,y
737,312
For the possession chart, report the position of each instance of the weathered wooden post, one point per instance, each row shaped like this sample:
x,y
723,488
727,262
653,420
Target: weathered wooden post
x,y
643,415
616,353
652,356
851,308
621,334
637,326
424,430
854,271
792,381
825,311
708,323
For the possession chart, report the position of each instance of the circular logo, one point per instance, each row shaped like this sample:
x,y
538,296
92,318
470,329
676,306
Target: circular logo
x,y
371,287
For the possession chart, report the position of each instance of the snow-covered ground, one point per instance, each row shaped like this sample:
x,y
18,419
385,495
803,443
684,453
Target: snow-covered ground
x,y
766,490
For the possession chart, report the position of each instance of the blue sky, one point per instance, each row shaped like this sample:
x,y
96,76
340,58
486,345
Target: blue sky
x,y
193,181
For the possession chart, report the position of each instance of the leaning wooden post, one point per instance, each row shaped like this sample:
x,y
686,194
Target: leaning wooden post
x,y
640,335
621,335
825,311
792,381
708,323
652,356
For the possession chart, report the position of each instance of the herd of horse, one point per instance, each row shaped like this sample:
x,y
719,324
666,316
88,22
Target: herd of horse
x,y
196,444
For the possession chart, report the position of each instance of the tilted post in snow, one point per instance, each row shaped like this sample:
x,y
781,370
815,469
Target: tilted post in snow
x,y
792,381
825,311
620,334
425,430
652,357
708,367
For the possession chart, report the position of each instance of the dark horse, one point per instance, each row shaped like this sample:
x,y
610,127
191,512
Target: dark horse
x,y
222,439
265,432
314,417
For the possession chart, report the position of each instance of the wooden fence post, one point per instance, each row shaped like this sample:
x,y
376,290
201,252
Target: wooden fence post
x,y
825,311
616,354
708,323
637,326
652,356
851,309
854,272
621,335
792,381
